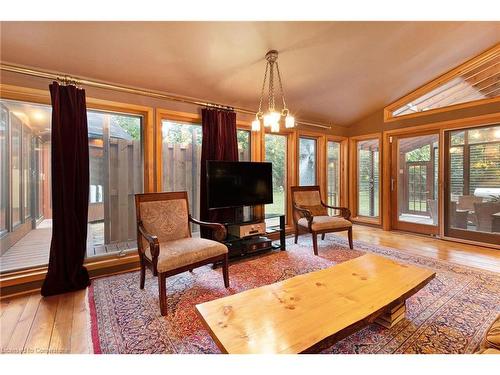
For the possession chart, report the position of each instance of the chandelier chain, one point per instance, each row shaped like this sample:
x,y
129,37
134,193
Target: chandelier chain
x,y
281,85
263,87
271,86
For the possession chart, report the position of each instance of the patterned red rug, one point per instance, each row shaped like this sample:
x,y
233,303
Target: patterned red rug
x,y
449,315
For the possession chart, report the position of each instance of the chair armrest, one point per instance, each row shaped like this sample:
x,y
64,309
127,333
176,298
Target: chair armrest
x,y
154,244
219,230
304,212
344,211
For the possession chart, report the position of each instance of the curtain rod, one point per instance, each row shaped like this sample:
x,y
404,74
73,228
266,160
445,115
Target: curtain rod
x,y
129,89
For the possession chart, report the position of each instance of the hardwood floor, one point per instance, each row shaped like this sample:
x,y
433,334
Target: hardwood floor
x,y
58,324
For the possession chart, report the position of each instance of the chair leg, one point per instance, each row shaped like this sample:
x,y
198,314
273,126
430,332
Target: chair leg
x,y
296,233
322,236
349,236
143,272
225,271
162,291
315,243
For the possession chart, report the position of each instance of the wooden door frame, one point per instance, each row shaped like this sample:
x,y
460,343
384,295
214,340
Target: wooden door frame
x,y
442,127
392,166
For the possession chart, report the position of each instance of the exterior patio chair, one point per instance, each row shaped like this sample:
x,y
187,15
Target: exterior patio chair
x,y
164,240
310,215
484,212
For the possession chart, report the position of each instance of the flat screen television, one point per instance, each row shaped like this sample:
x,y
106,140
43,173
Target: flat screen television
x,y
236,184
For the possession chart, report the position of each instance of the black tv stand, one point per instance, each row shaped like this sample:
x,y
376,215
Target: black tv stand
x,y
245,247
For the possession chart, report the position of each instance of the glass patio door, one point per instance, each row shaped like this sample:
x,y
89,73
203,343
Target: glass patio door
x,y
472,188
414,183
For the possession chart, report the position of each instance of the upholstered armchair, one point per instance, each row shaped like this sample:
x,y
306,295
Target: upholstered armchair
x,y
310,215
164,240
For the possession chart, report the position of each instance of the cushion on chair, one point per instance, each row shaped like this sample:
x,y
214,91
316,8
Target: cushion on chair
x,y
168,220
316,210
186,251
325,223
310,200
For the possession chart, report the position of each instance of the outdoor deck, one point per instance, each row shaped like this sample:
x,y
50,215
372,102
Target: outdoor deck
x,y
33,249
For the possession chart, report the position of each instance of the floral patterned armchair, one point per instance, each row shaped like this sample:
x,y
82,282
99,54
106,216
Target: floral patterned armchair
x,y
164,240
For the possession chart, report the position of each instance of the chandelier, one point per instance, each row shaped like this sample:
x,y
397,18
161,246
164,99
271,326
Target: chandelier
x,y
273,117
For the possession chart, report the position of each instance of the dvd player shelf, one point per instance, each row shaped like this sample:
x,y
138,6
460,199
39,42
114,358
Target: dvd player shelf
x,y
244,247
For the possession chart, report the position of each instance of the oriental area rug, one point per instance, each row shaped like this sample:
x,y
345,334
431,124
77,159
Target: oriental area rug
x,y
449,315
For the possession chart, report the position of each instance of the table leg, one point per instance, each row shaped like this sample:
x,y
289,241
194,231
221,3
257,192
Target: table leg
x,y
392,316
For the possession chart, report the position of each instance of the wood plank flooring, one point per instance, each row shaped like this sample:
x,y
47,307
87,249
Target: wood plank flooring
x,y
32,324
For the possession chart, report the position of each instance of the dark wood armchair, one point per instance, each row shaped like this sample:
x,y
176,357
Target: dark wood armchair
x,y
164,240
310,215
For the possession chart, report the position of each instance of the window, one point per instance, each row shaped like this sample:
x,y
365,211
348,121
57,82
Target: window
x,y
276,153
4,169
307,161
333,174
243,145
116,174
16,183
115,151
181,161
475,80
473,191
27,180
368,178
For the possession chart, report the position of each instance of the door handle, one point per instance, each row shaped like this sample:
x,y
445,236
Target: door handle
x,y
392,184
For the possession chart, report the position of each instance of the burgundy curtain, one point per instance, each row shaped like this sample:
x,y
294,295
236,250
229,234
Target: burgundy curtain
x,y
70,191
219,142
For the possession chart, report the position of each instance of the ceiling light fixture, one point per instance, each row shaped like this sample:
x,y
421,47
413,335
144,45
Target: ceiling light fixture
x,y
272,118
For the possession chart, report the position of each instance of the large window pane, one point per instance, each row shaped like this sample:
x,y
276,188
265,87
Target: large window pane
x,y
115,159
243,145
333,174
276,153
27,175
473,195
307,162
181,161
4,169
16,180
116,174
368,177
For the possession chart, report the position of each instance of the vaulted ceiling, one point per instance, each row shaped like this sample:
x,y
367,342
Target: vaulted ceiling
x,y
333,72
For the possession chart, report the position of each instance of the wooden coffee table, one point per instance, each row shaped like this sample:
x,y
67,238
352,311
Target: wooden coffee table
x,y
296,315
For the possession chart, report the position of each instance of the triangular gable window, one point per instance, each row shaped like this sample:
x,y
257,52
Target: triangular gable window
x,y
474,82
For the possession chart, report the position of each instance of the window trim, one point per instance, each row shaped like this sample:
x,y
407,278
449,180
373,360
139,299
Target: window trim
x,y
7,177
449,75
